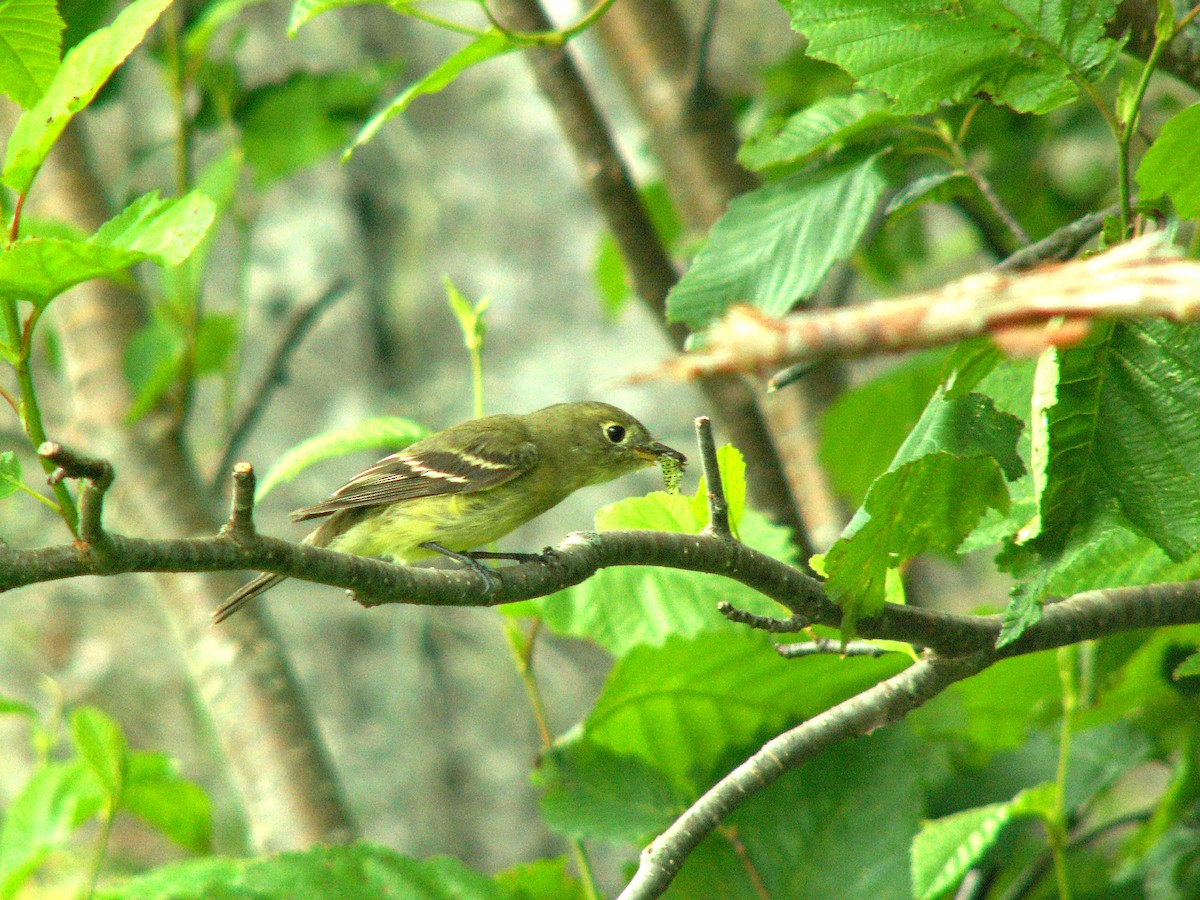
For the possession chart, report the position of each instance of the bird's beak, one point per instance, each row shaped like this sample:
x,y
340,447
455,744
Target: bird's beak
x,y
654,451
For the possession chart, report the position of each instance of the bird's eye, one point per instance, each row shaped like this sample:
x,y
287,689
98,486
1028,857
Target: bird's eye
x,y
615,433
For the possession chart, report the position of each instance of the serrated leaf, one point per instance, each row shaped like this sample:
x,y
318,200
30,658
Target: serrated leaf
x,y
682,706
488,46
82,73
865,426
775,245
382,432
947,848
807,836
38,269
355,872
166,231
592,793
1023,610
1173,158
157,794
829,124
1065,419
949,471
1022,53
101,744
30,41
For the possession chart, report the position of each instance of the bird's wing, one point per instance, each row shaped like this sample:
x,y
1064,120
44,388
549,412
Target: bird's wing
x,y
482,462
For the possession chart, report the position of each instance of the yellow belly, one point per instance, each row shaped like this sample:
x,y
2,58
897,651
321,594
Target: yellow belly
x,y
456,521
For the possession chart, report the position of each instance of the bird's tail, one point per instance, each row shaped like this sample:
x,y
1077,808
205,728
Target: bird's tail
x,y
248,592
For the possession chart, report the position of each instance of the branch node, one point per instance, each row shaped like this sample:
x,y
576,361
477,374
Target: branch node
x,y
718,508
96,476
790,625
240,524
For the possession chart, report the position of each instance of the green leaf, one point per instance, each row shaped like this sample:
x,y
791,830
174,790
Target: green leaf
x,y
947,848
1066,417
682,707
829,124
939,188
10,473
215,342
542,879
488,46
101,744
629,606
42,816
82,73
592,793
382,432
610,273
1022,53
153,360
1117,424
774,245
949,471
838,826
30,41
166,231
317,112
1189,668
353,872
303,11
38,269
157,794
212,16
732,467
1169,164
867,424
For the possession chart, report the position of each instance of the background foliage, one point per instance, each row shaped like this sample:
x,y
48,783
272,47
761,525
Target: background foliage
x,y
899,144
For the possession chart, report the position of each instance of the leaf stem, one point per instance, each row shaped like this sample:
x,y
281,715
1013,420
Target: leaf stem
x,y
101,848
28,410
1057,828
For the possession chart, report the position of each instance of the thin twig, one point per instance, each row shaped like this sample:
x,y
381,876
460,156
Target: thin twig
x,y
718,506
827,645
240,524
97,477
299,324
790,625
1059,245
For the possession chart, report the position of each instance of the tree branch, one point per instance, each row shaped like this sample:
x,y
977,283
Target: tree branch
x,y
1022,313
875,707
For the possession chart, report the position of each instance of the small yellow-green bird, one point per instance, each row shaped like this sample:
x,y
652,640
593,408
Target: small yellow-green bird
x,y
473,483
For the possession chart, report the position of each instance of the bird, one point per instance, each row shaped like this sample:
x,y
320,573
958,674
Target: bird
x,y
471,484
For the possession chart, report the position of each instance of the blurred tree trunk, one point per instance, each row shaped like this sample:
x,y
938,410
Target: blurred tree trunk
x,y
239,671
